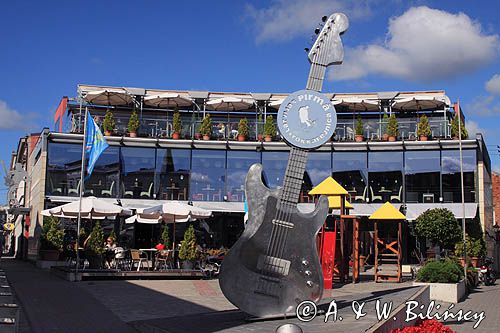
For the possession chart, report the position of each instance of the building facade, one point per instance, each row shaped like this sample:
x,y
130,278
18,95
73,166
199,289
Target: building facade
x,y
137,172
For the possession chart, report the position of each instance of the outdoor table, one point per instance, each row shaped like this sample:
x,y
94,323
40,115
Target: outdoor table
x,y
150,253
386,194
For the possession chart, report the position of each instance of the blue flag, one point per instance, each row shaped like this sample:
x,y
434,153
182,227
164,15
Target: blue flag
x,y
95,143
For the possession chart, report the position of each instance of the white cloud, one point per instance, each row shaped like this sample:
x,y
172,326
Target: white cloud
x,y
13,120
484,106
473,128
286,19
422,45
493,85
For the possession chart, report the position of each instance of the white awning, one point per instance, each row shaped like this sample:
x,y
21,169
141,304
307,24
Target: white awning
x,y
229,104
111,97
414,210
422,102
167,100
357,104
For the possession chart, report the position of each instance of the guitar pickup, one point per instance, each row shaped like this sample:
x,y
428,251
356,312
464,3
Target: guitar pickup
x,y
273,266
283,224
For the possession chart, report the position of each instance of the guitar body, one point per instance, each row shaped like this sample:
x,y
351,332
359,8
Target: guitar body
x,y
266,285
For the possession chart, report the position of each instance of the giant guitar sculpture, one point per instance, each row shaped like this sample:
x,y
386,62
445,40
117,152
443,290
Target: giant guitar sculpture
x,y
274,265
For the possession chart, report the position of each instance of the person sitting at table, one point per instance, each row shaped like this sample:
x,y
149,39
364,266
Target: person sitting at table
x,y
160,246
110,247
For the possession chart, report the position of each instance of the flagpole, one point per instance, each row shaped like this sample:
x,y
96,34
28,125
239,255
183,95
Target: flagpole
x,y
462,188
82,170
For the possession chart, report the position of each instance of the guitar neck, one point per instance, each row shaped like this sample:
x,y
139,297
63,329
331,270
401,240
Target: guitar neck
x,y
294,175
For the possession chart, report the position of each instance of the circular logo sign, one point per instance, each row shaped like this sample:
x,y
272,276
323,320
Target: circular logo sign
x,y
307,119
9,226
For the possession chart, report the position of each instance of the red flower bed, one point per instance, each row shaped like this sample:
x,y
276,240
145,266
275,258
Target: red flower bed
x,y
426,326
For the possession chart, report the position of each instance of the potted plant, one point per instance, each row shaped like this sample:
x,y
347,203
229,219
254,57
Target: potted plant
x,y
392,128
477,249
260,128
109,123
165,238
177,125
206,127
269,129
197,134
445,279
385,122
454,129
133,124
94,246
51,239
188,252
243,129
423,128
359,130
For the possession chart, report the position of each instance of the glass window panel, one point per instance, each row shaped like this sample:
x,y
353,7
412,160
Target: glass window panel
x,y
172,173
63,169
350,170
317,169
274,163
208,175
105,177
238,163
450,160
422,172
138,170
385,174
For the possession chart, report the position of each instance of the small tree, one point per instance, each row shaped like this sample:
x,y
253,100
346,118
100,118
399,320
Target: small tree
x,y
52,235
385,121
206,126
359,126
95,244
133,122
440,226
392,126
260,125
188,245
243,127
423,127
269,127
176,122
454,128
165,238
109,122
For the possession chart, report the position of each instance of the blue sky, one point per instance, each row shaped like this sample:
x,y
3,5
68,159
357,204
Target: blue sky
x,y
48,47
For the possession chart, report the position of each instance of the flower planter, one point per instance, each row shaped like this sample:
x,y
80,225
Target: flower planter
x,y
206,137
260,137
445,292
176,136
391,138
474,262
359,138
197,136
107,133
385,137
186,264
133,134
423,138
268,138
241,138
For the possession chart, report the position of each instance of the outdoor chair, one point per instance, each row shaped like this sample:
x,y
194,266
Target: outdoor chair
x,y
139,258
54,190
109,193
361,198
163,260
375,197
149,193
397,198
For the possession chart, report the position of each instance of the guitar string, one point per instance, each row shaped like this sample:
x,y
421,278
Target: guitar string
x,y
279,233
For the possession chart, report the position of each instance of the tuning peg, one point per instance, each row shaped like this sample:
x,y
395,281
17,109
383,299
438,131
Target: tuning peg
x,y
324,18
306,49
316,31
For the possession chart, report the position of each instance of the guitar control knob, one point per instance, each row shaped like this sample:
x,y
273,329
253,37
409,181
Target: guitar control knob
x,y
308,273
309,284
305,262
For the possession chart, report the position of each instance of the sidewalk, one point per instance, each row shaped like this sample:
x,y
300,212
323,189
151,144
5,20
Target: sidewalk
x,y
55,305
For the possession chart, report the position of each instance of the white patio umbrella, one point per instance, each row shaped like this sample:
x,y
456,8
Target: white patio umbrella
x,y
229,104
419,103
92,208
170,212
357,104
109,97
276,103
167,100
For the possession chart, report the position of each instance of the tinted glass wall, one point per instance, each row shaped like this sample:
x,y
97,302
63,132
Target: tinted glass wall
x,y
218,175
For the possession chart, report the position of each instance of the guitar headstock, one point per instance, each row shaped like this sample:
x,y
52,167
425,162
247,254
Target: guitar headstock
x,y
328,49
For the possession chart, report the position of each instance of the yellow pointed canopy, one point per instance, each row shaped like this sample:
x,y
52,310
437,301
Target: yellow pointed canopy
x,y
328,187
387,212
334,202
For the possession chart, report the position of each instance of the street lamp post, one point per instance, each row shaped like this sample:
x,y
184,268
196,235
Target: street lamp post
x,y
462,187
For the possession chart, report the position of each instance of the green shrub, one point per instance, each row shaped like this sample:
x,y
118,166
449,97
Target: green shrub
x,y
188,245
385,122
423,127
52,235
442,271
243,127
109,122
454,128
260,125
176,122
95,244
269,127
206,126
133,122
359,126
440,226
165,238
392,126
